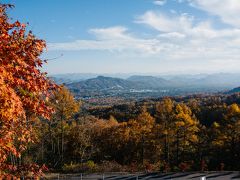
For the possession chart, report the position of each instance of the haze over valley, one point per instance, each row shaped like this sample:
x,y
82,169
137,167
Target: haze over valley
x,y
87,86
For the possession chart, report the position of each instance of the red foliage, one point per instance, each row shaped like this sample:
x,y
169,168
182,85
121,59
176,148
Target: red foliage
x,y
203,165
184,166
148,167
24,90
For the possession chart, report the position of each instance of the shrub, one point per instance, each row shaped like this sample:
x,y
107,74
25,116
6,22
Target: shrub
x,y
89,166
175,169
72,167
110,166
183,166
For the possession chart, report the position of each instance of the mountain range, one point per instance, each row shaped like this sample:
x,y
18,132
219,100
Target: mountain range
x,y
89,85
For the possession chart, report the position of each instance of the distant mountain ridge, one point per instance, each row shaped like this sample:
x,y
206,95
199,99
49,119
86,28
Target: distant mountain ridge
x,y
102,83
234,90
151,81
217,79
167,85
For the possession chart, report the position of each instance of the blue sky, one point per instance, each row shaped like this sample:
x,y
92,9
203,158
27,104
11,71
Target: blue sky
x,y
135,36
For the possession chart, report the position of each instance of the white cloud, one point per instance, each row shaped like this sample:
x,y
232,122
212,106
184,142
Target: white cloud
x,y
159,2
111,39
164,23
227,10
192,40
172,35
178,38
117,32
183,25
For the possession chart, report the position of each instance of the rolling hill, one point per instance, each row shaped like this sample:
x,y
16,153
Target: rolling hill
x,y
151,81
149,86
102,83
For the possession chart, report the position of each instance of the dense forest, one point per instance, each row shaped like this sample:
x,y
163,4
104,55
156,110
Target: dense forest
x,y
169,134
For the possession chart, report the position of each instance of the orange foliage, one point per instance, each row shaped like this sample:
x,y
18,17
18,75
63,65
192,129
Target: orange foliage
x,y
24,89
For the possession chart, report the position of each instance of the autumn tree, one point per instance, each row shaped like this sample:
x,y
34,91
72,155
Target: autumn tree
x,y
164,117
186,128
227,136
24,92
65,107
145,122
79,146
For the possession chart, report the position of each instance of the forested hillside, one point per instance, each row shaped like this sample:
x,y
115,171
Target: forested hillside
x,y
181,134
140,87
